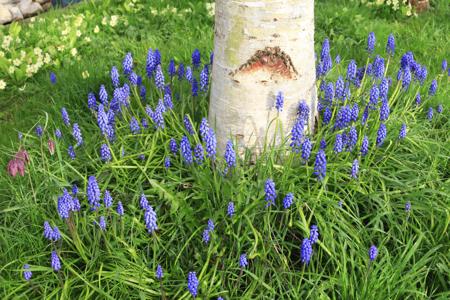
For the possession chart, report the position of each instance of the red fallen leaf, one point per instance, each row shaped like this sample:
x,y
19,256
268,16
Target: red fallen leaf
x,y
12,167
22,154
51,146
21,167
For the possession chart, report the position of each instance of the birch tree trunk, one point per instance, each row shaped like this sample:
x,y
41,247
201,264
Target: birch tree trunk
x,y
261,47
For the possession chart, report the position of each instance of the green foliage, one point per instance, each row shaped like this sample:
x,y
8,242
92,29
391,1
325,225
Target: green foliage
x,y
121,261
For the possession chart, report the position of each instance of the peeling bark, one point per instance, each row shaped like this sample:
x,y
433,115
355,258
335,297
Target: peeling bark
x,y
261,48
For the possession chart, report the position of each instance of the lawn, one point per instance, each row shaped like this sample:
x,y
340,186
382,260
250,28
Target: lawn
x,y
210,216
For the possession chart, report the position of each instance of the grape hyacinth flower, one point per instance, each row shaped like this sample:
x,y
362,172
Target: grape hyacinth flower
x,y
20,135
313,234
352,138
329,93
150,219
279,101
390,45
288,200
158,117
171,68
297,135
243,263
384,89
157,57
55,262
351,71
433,88
120,210
159,272
173,146
320,165
134,126
211,225
56,235
338,145
199,154
76,132
384,111
180,71
168,104
406,79
306,149
26,272
150,63
93,192
303,111
327,114
211,143
344,117
230,209
439,108
159,78
337,59
204,79
371,42
444,65
373,252
92,102
102,223
115,77
58,133
418,99
381,134
194,87
339,88
355,169
103,95
127,64
192,284
325,57
196,60
430,114
374,95
230,155
186,151
189,76
365,146
65,116
143,202
323,144
306,251
206,237
48,231
270,192
76,206
133,78
378,67
408,207
105,153
71,152
107,199
188,125
204,128
402,133
167,162
52,78
144,123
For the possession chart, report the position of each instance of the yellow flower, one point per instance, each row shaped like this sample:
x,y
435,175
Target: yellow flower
x,y
2,84
85,74
114,20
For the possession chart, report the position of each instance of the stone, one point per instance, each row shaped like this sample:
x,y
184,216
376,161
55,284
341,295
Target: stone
x,y
29,8
5,15
46,6
42,1
16,13
9,2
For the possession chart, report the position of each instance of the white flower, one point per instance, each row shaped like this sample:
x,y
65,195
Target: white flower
x,y
78,33
2,84
22,54
61,48
32,19
87,39
114,20
47,58
2,54
79,20
65,31
6,42
104,21
211,7
11,70
74,51
85,74
37,51
17,62
96,29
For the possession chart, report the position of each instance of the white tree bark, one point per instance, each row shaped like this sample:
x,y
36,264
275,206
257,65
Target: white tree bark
x,y
261,47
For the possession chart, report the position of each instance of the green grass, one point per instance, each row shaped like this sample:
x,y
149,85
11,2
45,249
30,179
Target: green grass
x,y
120,263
